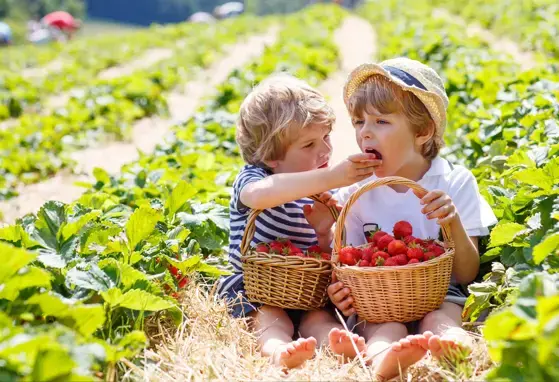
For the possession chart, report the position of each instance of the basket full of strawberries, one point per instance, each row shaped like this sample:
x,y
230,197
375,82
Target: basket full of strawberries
x,y
394,277
281,274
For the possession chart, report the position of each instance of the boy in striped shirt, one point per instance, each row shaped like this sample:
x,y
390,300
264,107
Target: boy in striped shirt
x,y
283,135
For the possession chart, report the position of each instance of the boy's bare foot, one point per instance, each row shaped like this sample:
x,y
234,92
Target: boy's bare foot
x,y
400,356
454,343
295,353
341,343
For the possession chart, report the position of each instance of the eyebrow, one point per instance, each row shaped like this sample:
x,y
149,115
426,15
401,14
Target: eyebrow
x,y
306,142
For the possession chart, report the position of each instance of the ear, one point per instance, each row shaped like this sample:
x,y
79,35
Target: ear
x,y
271,163
426,134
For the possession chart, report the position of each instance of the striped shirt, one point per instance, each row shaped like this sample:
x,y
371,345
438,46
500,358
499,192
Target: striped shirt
x,y
285,221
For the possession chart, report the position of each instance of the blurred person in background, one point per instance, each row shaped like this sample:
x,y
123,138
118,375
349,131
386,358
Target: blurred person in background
x,y
5,34
63,22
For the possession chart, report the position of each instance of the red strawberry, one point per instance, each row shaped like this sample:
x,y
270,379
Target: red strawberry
x,y
436,249
364,263
183,282
397,247
428,256
400,259
368,253
417,241
380,254
314,249
276,247
409,239
369,237
391,262
175,295
262,247
377,235
413,261
174,271
325,256
384,241
402,229
349,255
415,253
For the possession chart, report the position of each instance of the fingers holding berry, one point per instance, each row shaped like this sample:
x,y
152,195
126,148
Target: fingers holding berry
x,y
438,205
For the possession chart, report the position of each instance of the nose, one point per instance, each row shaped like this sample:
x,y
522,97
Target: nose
x,y
367,131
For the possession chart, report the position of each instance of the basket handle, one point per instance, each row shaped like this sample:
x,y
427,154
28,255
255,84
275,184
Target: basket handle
x,y
339,237
250,229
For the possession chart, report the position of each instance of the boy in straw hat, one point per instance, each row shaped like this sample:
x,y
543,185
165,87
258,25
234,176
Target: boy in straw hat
x,y
398,110
283,132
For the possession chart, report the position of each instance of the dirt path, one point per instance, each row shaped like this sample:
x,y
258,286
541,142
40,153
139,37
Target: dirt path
x,y
356,42
53,66
525,59
147,133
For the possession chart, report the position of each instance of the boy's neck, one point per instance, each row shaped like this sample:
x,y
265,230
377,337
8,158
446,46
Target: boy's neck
x,y
414,172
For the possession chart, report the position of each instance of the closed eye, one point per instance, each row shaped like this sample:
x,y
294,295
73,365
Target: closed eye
x,y
308,145
358,122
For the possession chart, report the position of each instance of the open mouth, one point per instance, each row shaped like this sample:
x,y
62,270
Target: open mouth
x,y
323,165
374,151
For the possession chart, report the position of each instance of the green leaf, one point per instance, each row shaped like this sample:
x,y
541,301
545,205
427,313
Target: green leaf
x,y
112,297
51,364
211,270
49,220
124,273
182,193
490,255
101,175
535,177
87,318
130,345
205,162
137,299
51,259
72,228
49,304
92,278
505,233
34,277
549,245
12,260
17,235
140,225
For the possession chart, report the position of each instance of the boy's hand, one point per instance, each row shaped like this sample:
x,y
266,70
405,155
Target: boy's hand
x,y
339,295
318,215
438,205
355,168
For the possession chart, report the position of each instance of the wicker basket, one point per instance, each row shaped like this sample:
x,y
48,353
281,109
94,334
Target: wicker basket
x,y
394,294
289,282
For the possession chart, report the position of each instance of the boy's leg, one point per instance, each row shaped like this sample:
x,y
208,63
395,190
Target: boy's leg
x,y
275,337
391,349
446,323
323,326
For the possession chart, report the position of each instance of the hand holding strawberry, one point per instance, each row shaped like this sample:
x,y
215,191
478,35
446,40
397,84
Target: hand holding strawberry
x,y
319,216
438,205
355,168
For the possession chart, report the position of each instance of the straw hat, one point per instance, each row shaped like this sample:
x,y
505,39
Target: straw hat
x,y
410,75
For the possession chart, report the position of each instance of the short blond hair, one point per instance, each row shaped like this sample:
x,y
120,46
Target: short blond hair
x,y
274,113
387,97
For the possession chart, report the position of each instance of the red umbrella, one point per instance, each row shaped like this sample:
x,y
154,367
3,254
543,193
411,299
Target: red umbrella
x,y
60,19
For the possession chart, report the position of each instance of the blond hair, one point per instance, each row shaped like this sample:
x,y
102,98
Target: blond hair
x,y
386,97
274,113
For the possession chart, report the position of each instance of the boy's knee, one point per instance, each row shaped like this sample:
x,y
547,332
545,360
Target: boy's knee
x,y
315,317
446,315
392,329
272,316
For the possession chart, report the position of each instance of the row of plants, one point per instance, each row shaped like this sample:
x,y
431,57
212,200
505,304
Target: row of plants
x,y
82,281
38,145
77,66
502,125
532,23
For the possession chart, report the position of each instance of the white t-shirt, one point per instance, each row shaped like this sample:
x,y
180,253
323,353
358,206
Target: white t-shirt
x,y
382,207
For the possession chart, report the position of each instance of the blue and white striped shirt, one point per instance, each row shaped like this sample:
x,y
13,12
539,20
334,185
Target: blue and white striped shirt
x,y
285,221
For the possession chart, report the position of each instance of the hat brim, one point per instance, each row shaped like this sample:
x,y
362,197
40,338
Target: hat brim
x,y
431,100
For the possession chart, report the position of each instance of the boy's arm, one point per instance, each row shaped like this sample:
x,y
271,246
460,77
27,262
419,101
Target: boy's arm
x,y
438,205
282,188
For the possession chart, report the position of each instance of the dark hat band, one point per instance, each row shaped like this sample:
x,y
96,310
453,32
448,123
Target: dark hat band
x,y
405,77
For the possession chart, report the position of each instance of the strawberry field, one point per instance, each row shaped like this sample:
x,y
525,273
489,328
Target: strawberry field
x,y
116,284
